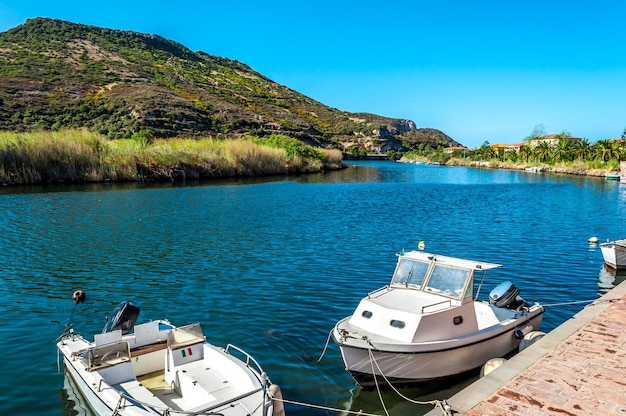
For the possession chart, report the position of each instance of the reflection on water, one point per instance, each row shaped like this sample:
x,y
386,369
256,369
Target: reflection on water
x,y
609,277
408,400
73,402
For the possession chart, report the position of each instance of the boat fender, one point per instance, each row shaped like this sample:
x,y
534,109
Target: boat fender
x,y
521,332
491,365
79,297
530,339
278,406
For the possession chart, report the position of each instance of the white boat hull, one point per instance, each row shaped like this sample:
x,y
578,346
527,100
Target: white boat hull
x,y
614,253
91,399
428,323
418,363
136,384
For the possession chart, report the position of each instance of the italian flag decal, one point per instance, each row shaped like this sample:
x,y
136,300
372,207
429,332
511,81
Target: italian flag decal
x,y
188,352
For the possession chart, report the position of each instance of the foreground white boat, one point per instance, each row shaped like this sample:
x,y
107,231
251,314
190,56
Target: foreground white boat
x,y
614,253
427,324
160,369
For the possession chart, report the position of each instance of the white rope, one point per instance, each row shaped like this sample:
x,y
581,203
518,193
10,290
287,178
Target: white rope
x,y
593,301
325,346
372,362
438,404
316,406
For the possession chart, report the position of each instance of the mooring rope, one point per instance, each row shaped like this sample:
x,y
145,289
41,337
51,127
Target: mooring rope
x,y
575,302
325,346
372,361
320,407
438,404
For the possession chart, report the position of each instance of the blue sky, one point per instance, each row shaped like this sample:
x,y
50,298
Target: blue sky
x,y
476,70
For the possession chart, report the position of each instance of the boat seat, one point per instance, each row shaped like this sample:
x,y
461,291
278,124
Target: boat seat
x,y
136,390
193,389
118,373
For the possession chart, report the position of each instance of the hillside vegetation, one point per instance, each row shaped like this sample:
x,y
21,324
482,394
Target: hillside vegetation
x,y
70,156
56,74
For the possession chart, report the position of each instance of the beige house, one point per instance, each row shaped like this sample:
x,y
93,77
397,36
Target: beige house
x,y
452,149
553,139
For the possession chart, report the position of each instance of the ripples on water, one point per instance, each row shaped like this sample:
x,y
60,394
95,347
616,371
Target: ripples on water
x,y
270,265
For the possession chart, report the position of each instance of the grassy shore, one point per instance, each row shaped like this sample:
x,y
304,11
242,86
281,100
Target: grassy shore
x,y
593,167
581,168
83,156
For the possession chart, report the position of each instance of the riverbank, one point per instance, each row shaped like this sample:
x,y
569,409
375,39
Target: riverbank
x,y
578,168
81,156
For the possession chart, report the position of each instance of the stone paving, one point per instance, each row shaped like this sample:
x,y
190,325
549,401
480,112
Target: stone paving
x,y
577,369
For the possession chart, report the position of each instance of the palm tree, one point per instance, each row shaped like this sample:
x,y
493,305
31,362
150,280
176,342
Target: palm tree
x,y
562,152
606,149
583,150
484,152
525,152
512,155
542,151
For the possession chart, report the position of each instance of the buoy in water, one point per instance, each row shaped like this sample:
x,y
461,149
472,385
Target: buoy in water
x,y
593,240
79,296
491,365
421,245
530,338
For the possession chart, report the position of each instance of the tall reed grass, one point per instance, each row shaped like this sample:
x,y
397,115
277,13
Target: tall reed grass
x,y
83,156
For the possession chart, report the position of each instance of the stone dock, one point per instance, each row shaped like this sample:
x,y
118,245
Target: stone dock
x,y
579,368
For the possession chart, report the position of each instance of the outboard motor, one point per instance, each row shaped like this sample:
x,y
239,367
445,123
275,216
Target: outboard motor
x,y
123,317
506,295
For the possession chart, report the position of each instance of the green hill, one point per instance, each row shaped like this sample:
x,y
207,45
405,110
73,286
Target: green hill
x,y
56,74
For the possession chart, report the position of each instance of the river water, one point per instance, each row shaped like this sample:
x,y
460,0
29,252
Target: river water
x,y
271,264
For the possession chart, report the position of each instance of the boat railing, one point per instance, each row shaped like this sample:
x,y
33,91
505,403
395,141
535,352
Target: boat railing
x,y
449,302
369,295
248,359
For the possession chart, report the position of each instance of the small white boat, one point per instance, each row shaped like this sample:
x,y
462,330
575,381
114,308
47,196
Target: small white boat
x,y
534,169
614,253
612,176
428,324
156,368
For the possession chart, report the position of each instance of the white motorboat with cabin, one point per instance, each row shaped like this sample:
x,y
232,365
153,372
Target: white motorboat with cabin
x,y
429,324
156,368
614,253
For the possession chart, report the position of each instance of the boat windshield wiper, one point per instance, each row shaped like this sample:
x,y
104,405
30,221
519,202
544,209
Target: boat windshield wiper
x,y
406,284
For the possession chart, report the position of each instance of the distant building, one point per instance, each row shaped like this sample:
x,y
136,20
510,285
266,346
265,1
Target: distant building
x,y
453,149
508,147
553,139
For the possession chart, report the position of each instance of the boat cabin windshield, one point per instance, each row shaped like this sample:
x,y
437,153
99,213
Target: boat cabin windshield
x,y
442,279
448,281
410,272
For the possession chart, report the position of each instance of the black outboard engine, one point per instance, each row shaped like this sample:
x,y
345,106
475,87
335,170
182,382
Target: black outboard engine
x,y
506,295
123,317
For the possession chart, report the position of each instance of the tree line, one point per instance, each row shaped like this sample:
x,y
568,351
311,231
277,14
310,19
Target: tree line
x,y
538,148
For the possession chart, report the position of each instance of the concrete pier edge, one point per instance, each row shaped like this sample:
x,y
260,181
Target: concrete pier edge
x,y
479,391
